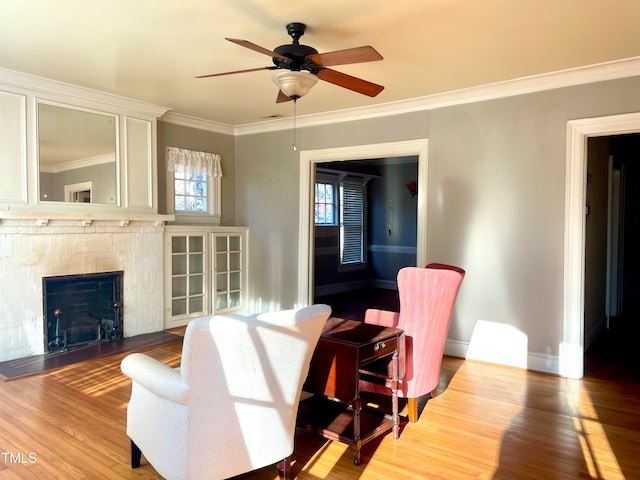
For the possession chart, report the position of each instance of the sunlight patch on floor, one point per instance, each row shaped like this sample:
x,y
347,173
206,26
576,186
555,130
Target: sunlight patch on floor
x,y
596,448
320,466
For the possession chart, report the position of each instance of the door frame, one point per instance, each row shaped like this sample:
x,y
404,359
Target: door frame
x,y
578,133
308,161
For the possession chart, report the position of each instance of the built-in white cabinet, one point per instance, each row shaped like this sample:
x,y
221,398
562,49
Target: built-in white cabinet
x,y
205,272
13,148
187,262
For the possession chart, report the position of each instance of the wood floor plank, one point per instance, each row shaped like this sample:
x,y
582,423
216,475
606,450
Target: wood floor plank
x,y
487,422
22,367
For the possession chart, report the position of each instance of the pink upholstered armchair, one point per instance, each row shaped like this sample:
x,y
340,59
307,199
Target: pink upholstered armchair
x,y
427,298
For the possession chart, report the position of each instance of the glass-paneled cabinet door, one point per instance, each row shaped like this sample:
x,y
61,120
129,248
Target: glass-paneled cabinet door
x,y
228,271
188,276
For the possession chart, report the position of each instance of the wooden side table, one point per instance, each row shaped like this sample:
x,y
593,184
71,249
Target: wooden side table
x,y
335,410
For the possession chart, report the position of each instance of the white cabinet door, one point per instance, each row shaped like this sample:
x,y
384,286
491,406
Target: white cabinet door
x,y
187,277
229,271
205,272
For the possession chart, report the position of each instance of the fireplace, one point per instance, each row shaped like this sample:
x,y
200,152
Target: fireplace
x,y
82,309
34,248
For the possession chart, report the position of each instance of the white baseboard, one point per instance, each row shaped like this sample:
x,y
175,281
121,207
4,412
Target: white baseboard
x,y
456,348
535,361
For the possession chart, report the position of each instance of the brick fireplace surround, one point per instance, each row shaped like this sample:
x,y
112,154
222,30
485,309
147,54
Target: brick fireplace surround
x,y
32,249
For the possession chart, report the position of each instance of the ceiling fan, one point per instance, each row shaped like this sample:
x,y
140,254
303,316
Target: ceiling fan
x,y
303,66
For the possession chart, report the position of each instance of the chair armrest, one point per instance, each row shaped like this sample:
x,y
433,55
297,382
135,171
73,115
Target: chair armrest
x,y
382,317
156,377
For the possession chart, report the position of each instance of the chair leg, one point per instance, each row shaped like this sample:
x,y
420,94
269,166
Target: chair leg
x,y
284,469
412,407
136,454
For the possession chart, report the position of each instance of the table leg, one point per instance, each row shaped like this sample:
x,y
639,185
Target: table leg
x,y
394,394
284,469
357,442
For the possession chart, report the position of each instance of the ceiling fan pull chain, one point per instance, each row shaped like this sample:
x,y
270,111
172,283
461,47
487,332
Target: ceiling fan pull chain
x,y
295,103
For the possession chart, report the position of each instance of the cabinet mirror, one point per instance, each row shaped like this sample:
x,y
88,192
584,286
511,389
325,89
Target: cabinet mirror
x,y
77,153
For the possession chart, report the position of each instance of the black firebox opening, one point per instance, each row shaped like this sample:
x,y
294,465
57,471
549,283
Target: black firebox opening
x,y
82,309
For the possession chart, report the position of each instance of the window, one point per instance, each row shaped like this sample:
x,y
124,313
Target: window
x,y
193,183
190,191
352,191
325,204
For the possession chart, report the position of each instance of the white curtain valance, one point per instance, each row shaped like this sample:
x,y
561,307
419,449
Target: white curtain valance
x,y
194,161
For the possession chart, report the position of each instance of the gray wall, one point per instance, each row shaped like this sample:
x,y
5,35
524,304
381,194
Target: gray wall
x,y
103,177
267,193
495,201
392,248
171,135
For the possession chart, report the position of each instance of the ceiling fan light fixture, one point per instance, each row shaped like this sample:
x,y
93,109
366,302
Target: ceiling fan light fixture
x,y
295,84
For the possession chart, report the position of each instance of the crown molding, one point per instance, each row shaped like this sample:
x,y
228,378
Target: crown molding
x,y
66,92
628,67
198,123
624,68
74,164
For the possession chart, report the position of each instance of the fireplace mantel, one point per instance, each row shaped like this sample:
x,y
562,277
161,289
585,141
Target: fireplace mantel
x,y
83,218
43,235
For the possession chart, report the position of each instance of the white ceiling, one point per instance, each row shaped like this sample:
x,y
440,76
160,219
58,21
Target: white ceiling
x,y
151,49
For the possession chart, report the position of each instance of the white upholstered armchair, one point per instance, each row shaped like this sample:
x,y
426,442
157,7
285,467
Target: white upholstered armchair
x,y
231,406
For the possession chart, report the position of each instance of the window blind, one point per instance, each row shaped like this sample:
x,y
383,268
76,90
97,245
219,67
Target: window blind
x,y
351,220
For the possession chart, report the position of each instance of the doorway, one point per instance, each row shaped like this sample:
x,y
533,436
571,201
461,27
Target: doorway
x,y
364,235
578,134
78,192
612,270
308,162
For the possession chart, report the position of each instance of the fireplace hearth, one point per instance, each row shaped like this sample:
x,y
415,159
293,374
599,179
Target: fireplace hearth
x,y
82,309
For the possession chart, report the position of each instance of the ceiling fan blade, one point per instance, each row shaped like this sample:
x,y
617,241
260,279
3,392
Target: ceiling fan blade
x,y
347,81
344,57
236,71
282,97
257,48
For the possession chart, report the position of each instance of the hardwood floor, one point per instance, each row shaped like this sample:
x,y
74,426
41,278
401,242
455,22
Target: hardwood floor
x,y
487,422
53,361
